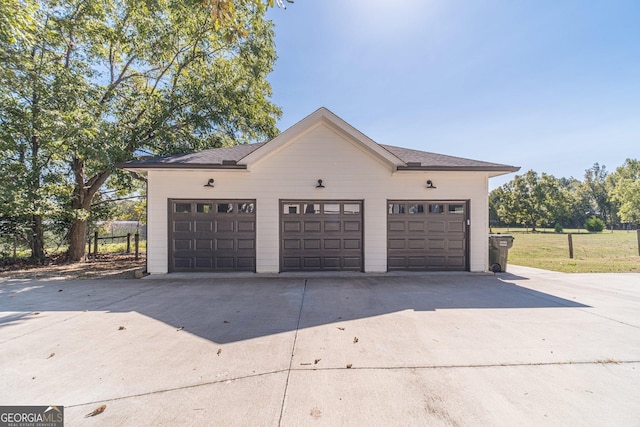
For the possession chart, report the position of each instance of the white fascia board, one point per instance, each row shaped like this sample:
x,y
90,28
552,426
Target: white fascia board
x,y
493,174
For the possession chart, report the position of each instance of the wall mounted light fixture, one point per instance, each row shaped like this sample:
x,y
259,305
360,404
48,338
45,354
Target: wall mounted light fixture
x,y
319,184
209,183
430,184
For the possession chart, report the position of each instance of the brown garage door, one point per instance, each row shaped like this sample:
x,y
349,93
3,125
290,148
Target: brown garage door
x,y
212,235
427,235
321,235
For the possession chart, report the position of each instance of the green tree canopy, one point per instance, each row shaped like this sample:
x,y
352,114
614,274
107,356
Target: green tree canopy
x,y
597,188
16,22
532,200
96,83
626,190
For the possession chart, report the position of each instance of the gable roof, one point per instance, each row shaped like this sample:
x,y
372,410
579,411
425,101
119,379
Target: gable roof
x,y
242,156
326,117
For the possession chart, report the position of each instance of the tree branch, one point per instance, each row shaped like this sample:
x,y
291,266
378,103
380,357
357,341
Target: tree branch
x,y
101,202
119,80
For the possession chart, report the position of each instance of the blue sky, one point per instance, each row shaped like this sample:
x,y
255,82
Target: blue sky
x,y
552,86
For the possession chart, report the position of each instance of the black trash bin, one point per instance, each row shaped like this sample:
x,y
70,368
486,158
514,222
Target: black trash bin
x,y
499,245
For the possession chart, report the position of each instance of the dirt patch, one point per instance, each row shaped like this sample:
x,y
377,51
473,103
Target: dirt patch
x,y
112,266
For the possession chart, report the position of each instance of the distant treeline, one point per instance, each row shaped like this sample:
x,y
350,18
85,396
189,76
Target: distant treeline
x,y
542,200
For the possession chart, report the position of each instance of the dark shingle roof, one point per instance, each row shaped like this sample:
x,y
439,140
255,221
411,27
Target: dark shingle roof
x,y
416,159
227,158
212,157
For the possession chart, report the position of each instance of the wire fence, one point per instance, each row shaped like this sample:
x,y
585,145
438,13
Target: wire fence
x,y
112,237
129,233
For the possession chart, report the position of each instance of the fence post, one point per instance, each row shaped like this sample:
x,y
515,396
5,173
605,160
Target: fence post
x,y
570,236
137,244
15,247
95,245
128,243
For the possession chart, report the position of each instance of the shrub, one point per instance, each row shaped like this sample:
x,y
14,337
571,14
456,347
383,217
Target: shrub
x,y
594,224
558,228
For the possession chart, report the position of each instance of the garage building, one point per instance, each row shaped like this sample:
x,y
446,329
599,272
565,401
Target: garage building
x,y
320,196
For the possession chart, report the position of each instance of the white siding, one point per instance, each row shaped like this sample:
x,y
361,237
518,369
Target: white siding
x,y
348,171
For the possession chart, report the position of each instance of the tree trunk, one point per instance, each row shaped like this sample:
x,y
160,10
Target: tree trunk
x,y
83,193
37,238
77,240
37,230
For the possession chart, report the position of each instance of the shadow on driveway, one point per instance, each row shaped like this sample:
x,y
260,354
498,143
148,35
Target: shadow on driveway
x,y
225,310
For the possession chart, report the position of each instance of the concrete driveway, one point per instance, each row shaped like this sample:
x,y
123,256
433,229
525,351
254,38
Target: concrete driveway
x,y
528,347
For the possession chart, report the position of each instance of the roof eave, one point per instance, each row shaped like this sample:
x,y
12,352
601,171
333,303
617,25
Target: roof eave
x,y
145,166
507,169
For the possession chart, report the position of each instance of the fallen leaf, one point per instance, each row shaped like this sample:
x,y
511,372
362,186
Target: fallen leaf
x,y
180,328
97,411
315,362
51,355
219,351
355,340
121,328
349,366
226,321
342,329
36,313
59,290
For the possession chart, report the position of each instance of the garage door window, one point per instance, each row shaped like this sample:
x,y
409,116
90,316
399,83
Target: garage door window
x,y
246,208
456,209
396,208
203,207
436,208
225,208
416,209
351,209
332,208
183,207
288,208
312,208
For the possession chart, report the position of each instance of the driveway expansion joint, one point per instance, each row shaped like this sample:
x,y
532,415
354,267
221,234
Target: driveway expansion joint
x,y
362,368
293,350
609,318
489,365
184,387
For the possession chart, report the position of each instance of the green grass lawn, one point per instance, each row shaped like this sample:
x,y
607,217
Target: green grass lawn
x,y
104,246
606,252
